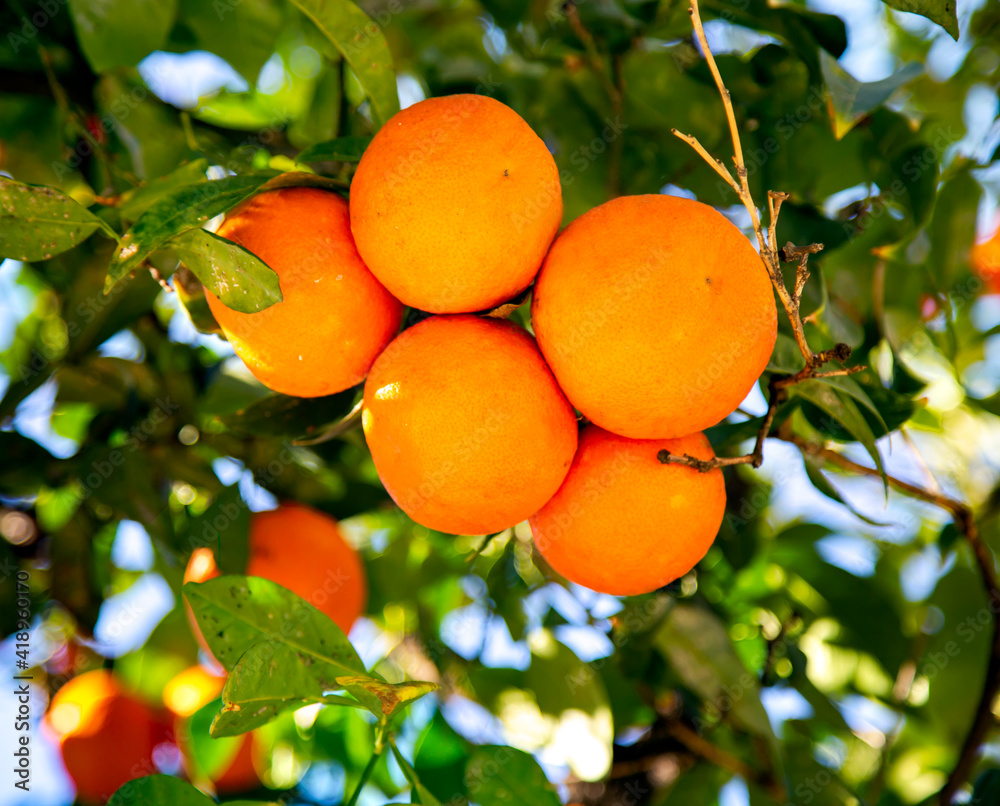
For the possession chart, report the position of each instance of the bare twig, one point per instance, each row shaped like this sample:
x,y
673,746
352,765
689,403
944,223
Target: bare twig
x,y
772,258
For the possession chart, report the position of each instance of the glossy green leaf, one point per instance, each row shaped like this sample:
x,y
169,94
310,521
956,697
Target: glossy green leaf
x,y
159,790
236,612
208,755
286,416
851,99
503,776
421,794
340,149
843,410
240,279
360,40
136,202
943,12
174,213
274,676
814,470
120,33
244,33
786,357
38,222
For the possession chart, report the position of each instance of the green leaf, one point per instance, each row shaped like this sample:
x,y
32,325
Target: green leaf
x,y
786,357
208,755
695,642
159,790
503,776
272,676
851,99
184,209
943,12
987,789
121,33
37,222
362,44
136,202
421,794
242,32
340,149
852,388
235,612
286,416
952,228
240,279
814,470
843,410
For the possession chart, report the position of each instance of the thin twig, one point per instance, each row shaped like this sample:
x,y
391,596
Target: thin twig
x,y
700,746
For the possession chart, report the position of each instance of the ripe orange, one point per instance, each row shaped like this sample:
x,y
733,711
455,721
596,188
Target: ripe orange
x,y
335,317
655,314
468,430
106,735
303,550
192,689
985,260
623,522
455,203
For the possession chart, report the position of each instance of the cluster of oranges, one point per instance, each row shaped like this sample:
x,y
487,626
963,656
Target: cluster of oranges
x,y
652,317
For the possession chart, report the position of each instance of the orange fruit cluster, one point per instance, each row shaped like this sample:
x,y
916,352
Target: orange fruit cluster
x,y
653,316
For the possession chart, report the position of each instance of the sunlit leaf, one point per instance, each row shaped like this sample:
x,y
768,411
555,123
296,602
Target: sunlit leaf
x,y
236,612
240,279
176,212
38,222
851,99
362,44
943,12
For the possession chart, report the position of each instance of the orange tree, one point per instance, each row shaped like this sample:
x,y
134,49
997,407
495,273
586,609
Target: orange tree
x,y
795,605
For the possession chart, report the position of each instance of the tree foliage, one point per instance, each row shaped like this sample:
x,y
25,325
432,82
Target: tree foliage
x,y
838,644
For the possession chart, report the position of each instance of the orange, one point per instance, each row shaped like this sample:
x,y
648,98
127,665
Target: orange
x,y
468,430
303,550
655,314
189,691
624,523
985,260
455,203
334,318
106,735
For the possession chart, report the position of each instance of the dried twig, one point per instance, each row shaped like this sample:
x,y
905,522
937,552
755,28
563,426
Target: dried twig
x,y
772,257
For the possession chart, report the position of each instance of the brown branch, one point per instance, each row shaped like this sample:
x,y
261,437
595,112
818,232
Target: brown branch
x,y
966,523
700,746
158,276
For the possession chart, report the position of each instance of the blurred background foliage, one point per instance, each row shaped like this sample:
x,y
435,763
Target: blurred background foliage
x,y
833,645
